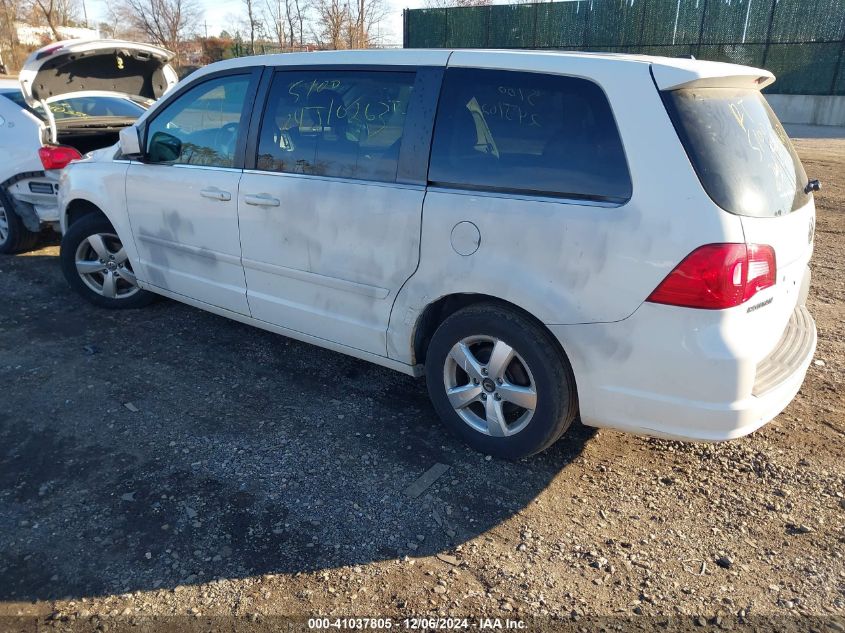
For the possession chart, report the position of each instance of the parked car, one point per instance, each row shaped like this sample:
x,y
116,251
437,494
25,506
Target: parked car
x,y
71,98
540,234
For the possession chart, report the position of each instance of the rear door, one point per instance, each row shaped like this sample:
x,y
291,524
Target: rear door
x,y
330,210
748,166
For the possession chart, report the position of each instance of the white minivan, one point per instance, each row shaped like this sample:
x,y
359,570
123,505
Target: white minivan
x,y
543,235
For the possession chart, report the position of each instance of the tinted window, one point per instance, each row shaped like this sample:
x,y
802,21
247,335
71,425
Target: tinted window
x,y
344,123
739,149
201,126
17,98
529,132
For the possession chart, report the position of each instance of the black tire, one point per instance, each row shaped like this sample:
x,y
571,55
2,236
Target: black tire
x,y
77,233
556,395
18,238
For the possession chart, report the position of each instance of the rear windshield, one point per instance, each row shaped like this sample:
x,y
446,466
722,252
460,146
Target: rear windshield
x,y
95,106
739,150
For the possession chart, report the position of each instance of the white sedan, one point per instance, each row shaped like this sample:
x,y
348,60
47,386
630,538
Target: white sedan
x,y
71,98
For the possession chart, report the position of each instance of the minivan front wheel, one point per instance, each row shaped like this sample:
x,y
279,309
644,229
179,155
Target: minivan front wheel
x,y
95,264
500,382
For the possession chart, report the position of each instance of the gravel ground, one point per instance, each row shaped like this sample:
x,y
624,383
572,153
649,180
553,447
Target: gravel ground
x,y
168,462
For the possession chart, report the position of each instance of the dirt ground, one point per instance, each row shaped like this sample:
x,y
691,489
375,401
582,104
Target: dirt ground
x,y
168,462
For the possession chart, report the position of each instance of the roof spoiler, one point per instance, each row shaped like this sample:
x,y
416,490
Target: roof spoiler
x,y
701,74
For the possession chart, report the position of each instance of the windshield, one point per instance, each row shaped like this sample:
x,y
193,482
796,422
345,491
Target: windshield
x,y
739,150
84,107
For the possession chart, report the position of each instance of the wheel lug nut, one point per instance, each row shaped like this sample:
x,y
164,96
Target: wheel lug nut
x,y
497,396
475,381
483,371
484,396
499,380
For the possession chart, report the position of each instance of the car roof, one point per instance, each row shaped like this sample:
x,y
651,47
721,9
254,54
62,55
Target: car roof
x,y
669,72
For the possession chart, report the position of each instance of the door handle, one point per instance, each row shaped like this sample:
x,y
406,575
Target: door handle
x,y
216,194
262,200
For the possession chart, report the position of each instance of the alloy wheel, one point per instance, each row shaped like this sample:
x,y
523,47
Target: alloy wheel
x,y
490,386
104,267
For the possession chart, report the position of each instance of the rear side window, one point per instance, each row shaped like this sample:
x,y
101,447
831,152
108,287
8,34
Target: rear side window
x,y
528,132
346,124
739,150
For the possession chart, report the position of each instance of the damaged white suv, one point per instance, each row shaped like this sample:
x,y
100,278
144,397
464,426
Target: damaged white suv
x,y
540,234
71,98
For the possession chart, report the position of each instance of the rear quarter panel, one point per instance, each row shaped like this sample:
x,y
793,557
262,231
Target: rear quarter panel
x,y
567,262
20,138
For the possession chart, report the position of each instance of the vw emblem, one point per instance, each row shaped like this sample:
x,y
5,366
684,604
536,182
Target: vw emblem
x,y
812,231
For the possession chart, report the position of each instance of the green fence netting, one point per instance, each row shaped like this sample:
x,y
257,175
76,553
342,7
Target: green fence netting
x,y
801,41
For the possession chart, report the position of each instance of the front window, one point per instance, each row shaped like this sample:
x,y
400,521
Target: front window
x,y
201,126
739,150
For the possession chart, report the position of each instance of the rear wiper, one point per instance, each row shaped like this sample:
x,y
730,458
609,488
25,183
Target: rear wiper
x,y
812,185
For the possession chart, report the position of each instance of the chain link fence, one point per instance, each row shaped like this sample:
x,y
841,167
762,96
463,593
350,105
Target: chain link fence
x,y
801,41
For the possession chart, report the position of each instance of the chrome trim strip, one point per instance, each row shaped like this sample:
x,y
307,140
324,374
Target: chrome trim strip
x,y
528,197
209,168
353,181
315,278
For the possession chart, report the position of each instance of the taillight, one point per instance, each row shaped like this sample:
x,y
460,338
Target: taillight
x,y
57,156
49,51
718,276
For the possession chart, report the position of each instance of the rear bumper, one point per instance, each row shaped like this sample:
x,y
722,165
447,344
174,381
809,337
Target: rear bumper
x,y
649,376
35,195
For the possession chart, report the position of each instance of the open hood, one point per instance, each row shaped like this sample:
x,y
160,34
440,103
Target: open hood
x,y
72,66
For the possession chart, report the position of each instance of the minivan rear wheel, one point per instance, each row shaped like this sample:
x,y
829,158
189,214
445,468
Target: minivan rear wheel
x,y
95,264
500,382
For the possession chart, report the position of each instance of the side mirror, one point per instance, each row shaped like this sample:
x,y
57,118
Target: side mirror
x,y
130,143
164,148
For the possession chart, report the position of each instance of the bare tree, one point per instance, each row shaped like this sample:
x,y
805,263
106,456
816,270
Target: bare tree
x,y
164,22
333,21
120,25
8,33
286,19
301,8
364,15
277,21
56,13
253,23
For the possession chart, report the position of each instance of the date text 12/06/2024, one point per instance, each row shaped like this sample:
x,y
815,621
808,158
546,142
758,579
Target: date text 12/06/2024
x,y
417,624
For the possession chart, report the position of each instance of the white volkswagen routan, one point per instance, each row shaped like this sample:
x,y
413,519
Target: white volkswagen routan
x,y
542,235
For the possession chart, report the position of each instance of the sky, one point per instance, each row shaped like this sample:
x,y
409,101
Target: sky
x,y
217,15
